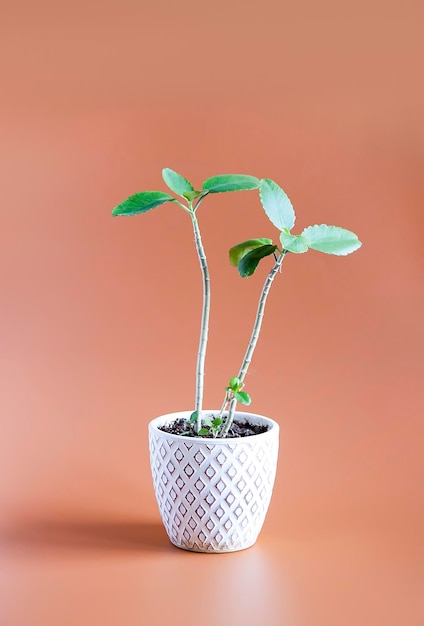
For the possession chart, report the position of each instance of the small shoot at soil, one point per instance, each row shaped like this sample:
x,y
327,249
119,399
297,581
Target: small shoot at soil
x,y
211,427
233,392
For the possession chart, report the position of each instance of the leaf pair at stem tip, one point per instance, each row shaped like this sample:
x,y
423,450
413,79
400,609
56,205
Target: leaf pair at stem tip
x,y
278,208
146,200
234,388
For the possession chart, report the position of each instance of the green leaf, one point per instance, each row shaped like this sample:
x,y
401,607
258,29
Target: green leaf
x,y
331,239
240,250
277,205
203,431
234,384
194,416
192,195
250,261
230,182
293,243
177,183
216,422
243,397
142,202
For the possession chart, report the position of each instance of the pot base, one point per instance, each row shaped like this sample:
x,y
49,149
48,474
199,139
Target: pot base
x,y
210,550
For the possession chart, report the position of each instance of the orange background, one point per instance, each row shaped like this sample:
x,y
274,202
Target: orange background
x,y
100,315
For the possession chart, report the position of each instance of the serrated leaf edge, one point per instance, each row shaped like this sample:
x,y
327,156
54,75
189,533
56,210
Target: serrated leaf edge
x,y
332,226
267,180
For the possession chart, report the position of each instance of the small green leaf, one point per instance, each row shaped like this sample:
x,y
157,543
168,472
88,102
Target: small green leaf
x,y
203,432
277,205
243,397
293,243
234,384
240,250
177,183
230,182
331,239
192,195
216,422
208,421
142,202
194,416
250,261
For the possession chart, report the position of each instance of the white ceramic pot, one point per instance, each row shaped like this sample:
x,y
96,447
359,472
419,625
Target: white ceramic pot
x,y
213,494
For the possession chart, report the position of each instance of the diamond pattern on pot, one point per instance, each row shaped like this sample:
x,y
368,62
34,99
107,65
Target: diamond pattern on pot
x,y
213,496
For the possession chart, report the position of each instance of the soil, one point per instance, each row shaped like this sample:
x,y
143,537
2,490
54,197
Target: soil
x,y
238,429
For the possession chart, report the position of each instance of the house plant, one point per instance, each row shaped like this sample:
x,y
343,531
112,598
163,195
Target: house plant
x,y
213,471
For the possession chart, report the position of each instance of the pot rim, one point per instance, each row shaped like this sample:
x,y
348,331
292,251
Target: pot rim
x,y
255,417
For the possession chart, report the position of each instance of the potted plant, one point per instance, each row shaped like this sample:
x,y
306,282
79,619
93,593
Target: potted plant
x,y
213,471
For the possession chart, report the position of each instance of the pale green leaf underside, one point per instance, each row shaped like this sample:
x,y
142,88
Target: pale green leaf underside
x,y
277,205
241,249
177,183
293,243
141,202
250,261
230,182
331,239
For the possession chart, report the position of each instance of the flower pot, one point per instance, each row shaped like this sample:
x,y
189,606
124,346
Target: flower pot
x,y
213,494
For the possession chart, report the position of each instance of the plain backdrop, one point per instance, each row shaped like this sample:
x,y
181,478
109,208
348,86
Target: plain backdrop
x,y
100,315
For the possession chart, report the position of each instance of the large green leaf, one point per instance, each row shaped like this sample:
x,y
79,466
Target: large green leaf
x,y
276,205
250,261
240,250
293,243
230,182
331,239
177,183
141,202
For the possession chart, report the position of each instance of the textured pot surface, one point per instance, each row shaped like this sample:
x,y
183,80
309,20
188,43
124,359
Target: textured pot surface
x,y
213,494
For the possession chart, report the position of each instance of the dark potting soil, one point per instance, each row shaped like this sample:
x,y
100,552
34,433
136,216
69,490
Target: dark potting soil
x,y
238,429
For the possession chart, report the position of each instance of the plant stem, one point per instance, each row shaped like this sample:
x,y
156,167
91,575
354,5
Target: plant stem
x,y
224,405
204,328
253,338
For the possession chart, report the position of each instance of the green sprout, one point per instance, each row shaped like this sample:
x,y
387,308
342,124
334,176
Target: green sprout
x,y
211,427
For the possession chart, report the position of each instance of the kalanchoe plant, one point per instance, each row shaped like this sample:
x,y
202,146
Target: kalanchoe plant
x,y
190,202
246,256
